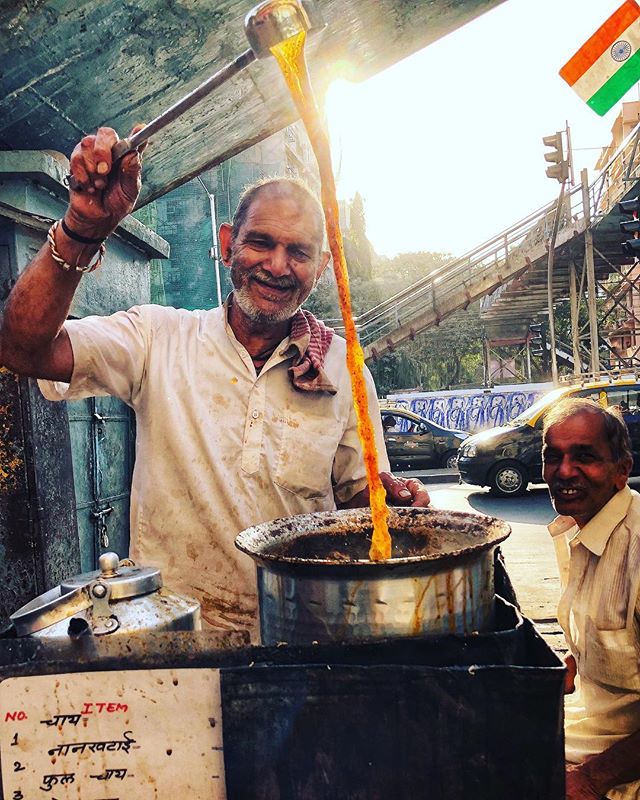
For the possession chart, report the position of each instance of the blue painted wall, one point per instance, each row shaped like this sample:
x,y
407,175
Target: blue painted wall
x,y
472,409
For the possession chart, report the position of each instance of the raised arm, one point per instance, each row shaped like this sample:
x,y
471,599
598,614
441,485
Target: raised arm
x,y
33,341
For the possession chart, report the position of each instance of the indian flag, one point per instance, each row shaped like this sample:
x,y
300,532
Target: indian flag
x,y
608,65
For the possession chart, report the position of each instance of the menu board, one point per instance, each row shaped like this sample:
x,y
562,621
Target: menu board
x,y
146,734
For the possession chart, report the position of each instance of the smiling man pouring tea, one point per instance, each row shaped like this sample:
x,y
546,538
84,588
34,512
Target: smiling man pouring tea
x,y
244,413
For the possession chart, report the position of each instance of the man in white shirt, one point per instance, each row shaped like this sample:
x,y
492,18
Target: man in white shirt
x,y
244,413
587,460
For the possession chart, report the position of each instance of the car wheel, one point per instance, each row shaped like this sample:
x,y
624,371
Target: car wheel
x,y
508,479
450,459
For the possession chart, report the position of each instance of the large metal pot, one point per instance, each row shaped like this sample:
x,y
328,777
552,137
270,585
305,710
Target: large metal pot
x,y
316,582
119,598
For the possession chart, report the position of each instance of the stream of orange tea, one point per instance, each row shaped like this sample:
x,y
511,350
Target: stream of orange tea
x,y
290,57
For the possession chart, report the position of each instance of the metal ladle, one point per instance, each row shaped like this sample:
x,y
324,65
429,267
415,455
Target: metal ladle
x,y
265,26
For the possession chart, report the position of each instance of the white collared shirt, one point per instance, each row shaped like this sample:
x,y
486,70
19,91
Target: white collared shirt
x,y
599,612
218,448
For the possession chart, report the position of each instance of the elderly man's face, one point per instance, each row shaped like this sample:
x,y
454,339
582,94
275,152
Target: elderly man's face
x,y
579,468
276,256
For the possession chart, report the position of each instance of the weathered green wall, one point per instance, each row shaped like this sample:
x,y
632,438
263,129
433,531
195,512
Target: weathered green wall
x,y
54,476
38,535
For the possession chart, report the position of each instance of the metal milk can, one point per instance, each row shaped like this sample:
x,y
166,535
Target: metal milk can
x,y
118,598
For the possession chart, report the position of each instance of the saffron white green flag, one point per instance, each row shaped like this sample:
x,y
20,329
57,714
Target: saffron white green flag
x,y
608,65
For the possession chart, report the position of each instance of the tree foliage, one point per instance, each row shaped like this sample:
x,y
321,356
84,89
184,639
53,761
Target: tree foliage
x,y
441,357
358,250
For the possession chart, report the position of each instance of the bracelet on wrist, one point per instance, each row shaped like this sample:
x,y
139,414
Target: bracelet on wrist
x,y
59,260
76,236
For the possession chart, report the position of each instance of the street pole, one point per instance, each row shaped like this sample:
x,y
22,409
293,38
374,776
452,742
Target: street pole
x,y
591,277
552,245
214,252
574,306
572,180
486,358
560,171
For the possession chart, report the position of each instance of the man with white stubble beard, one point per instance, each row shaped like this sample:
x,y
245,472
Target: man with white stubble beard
x,y
587,460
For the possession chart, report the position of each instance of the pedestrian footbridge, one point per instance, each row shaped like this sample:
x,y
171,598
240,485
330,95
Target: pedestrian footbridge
x,y
508,273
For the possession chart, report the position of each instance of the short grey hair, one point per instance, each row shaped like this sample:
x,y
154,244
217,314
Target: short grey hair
x,y
279,185
615,429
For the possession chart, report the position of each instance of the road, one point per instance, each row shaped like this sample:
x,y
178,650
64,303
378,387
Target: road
x,y
529,554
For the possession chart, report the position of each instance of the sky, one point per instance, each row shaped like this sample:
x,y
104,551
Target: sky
x,y
446,146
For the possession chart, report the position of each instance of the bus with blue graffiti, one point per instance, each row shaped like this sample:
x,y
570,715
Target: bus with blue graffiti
x,y
471,410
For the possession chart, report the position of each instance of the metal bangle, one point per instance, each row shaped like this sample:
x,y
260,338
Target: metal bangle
x,y
55,255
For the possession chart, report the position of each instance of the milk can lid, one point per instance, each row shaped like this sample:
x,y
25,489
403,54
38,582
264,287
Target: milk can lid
x,y
71,597
125,579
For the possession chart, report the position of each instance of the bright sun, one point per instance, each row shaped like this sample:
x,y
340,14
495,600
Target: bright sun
x,y
346,137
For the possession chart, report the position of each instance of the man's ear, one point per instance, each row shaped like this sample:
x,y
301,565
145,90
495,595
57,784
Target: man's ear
x,y
325,257
624,468
225,236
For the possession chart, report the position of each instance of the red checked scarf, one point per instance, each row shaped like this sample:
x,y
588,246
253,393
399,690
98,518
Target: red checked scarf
x,y
311,338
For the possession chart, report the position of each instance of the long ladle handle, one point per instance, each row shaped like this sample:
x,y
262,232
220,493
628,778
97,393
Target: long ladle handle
x,y
188,101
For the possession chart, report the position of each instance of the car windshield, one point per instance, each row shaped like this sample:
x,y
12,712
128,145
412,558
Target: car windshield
x,y
540,405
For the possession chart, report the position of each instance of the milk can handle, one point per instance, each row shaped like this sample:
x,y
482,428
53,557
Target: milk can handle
x,y
49,608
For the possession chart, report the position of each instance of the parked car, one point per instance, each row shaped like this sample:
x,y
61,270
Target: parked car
x,y
413,441
508,458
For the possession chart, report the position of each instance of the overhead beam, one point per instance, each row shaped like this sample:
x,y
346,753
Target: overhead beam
x,y
67,67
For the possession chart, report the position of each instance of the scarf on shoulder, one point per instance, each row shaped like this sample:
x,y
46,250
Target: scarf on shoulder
x,y
311,338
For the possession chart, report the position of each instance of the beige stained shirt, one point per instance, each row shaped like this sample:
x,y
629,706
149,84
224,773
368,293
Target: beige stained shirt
x,y
599,612
218,448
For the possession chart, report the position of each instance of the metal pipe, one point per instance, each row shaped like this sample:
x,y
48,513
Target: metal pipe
x,y
214,238
589,267
550,259
214,249
574,306
486,362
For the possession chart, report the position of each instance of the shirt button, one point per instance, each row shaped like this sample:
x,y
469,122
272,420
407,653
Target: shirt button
x,y
255,414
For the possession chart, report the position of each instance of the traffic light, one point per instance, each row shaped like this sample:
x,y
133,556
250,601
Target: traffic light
x,y
631,247
560,168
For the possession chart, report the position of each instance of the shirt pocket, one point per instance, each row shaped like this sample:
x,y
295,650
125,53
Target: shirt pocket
x,y
611,658
306,453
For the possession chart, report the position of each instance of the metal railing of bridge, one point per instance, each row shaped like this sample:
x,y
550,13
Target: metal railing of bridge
x,y
458,275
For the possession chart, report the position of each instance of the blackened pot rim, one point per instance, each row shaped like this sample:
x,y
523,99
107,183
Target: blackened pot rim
x,y
260,541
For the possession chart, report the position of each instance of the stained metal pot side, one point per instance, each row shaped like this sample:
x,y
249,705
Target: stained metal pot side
x,y
316,582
